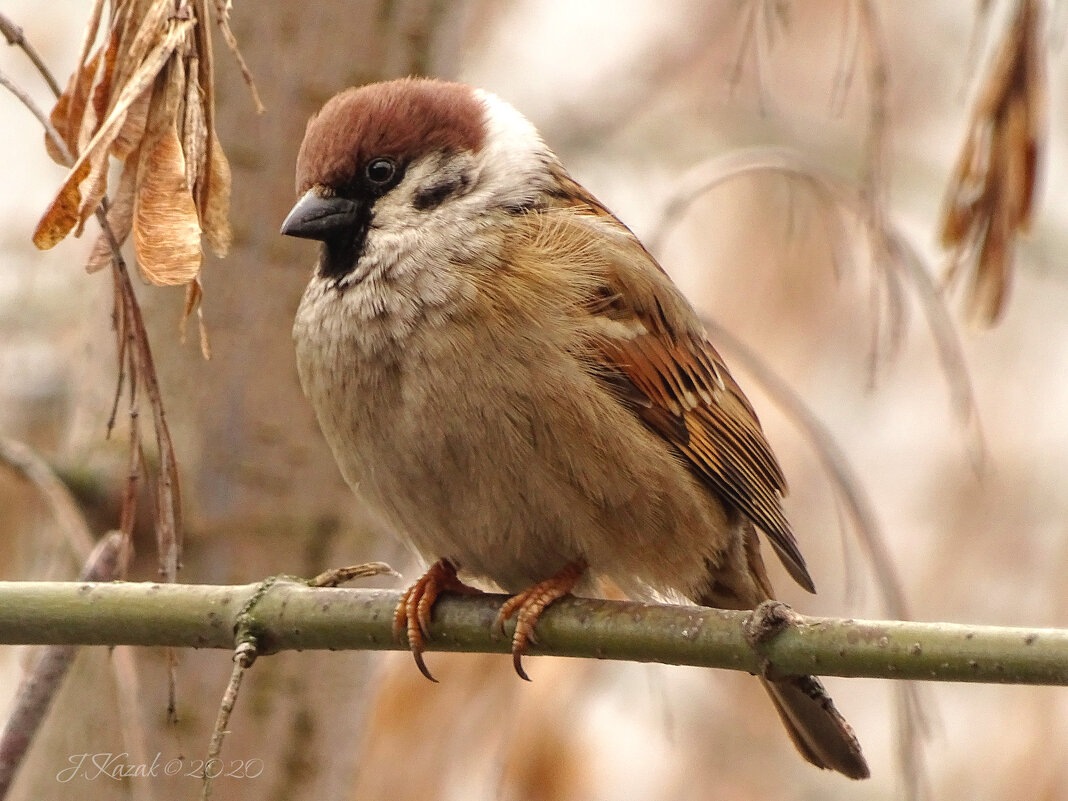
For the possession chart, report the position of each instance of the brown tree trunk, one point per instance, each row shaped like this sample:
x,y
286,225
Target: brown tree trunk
x,y
261,493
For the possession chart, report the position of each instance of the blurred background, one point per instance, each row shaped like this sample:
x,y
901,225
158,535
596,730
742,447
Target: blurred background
x,y
634,95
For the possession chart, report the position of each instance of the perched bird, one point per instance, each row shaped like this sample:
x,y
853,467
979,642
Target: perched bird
x,y
505,374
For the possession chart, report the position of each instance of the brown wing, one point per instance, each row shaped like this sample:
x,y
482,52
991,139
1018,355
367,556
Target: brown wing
x,y
686,395
677,383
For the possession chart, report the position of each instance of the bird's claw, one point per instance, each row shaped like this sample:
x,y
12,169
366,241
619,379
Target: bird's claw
x,y
412,616
528,605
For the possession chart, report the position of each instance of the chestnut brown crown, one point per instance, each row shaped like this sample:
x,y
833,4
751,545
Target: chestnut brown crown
x,y
402,120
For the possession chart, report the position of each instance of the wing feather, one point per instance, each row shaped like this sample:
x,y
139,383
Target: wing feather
x,y
661,364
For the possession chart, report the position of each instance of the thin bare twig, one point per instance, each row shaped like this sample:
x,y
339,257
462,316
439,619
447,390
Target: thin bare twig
x,y
244,656
29,464
34,109
40,685
875,186
844,480
843,204
222,17
845,71
247,650
888,244
13,34
756,37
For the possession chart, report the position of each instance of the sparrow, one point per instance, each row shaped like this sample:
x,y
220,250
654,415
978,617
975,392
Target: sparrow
x,y
507,376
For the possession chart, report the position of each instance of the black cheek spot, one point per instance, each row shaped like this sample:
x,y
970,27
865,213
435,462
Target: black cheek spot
x,y
517,208
436,193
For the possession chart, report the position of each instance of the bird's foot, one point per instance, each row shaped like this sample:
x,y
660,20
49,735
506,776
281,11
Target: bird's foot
x,y
413,612
528,605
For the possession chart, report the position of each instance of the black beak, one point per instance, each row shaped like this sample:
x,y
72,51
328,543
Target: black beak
x,y
322,218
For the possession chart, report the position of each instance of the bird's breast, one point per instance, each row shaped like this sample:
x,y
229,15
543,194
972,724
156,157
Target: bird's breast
x,y
484,441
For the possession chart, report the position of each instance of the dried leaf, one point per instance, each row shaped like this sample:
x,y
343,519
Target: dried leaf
x,y
205,344
100,256
96,111
153,28
67,114
92,30
1003,70
215,206
97,187
969,179
990,197
58,119
163,108
165,228
194,293
1018,174
120,216
133,127
194,131
993,272
62,213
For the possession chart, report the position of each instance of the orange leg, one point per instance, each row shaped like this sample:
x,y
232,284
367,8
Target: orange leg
x,y
528,606
413,612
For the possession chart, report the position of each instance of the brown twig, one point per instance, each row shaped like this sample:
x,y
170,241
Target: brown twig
x,y
129,704
143,374
13,34
222,17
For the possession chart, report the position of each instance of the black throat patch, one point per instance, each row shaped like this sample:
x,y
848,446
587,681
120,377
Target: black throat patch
x,y
342,252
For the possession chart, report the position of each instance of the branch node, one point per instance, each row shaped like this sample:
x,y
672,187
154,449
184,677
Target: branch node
x,y
764,624
246,651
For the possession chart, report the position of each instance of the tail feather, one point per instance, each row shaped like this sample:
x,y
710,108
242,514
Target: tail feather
x,y
818,730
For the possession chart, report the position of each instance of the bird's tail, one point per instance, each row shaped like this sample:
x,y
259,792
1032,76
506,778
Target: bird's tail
x,y
818,730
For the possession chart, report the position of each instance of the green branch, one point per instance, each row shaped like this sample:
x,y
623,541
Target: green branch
x,y
287,615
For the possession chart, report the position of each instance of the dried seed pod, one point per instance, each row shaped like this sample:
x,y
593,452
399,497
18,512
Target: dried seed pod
x,y
990,197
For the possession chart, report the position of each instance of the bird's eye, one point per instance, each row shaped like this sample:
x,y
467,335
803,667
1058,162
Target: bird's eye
x,y
380,171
